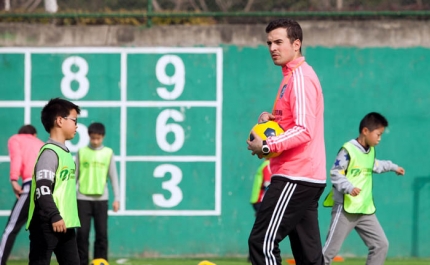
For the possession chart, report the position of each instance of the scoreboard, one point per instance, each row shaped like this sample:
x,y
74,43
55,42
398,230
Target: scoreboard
x,y
162,108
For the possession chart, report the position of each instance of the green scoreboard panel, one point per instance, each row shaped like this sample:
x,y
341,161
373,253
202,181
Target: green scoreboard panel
x,y
162,108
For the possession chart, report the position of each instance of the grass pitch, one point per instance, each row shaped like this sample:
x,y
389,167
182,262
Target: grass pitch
x,y
233,261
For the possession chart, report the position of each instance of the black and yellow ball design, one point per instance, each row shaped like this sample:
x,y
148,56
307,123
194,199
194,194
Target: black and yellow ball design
x,y
99,262
265,130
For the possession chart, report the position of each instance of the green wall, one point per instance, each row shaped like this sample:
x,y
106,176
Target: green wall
x,y
201,172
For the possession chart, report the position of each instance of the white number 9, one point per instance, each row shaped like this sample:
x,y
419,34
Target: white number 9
x,y
177,79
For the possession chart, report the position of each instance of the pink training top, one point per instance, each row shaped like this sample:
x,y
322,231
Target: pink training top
x,y
299,110
23,151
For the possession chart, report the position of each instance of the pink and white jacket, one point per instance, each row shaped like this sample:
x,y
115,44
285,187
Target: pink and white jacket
x,y
23,151
299,110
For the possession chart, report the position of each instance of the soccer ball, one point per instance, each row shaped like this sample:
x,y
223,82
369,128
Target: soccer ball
x,y
265,130
99,262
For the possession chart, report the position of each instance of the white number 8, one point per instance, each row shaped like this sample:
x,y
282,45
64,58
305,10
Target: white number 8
x,y
80,76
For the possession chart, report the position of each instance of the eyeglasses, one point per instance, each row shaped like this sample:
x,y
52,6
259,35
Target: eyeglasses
x,y
73,119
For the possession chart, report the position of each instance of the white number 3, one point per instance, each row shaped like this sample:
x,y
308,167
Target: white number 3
x,y
169,185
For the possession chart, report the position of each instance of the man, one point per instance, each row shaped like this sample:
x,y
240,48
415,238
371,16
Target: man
x,y
23,149
290,205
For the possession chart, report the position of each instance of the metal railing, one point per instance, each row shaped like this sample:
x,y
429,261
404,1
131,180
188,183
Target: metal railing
x,y
230,11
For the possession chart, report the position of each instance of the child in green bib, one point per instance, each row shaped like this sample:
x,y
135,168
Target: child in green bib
x,y
94,163
351,196
53,212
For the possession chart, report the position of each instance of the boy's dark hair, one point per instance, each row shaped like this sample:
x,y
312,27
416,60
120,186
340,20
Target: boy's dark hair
x,y
294,31
27,129
373,121
97,128
56,107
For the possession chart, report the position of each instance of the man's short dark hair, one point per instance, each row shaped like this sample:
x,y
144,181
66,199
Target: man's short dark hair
x,y
373,121
97,128
294,31
27,129
56,107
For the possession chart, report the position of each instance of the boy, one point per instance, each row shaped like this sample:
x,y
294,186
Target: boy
x,y
94,163
351,196
261,183
23,150
53,213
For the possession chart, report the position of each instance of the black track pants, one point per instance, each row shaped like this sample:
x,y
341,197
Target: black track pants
x,y
44,241
288,209
17,218
97,210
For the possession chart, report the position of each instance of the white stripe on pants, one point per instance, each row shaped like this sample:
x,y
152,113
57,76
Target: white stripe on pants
x,y
12,223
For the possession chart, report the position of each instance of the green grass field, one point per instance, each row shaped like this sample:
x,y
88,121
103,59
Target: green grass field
x,y
237,261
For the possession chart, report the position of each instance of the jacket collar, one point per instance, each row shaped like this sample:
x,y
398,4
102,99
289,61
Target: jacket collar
x,y
286,69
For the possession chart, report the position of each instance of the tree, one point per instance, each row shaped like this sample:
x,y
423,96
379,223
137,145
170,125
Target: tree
x,y
51,6
339,4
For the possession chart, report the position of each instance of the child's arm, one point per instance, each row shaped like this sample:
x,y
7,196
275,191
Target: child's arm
x,y
46,167
113,174
15,164
338,173
382,166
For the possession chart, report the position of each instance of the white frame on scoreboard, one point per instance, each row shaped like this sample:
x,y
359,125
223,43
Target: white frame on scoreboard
x,y
27,104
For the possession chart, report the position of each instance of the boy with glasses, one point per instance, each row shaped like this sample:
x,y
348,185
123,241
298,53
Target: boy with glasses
x,y
53,214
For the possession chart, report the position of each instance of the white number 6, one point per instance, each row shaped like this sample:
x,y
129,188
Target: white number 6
x,y
162,128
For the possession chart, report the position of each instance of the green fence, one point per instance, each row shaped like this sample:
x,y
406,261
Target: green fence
x,y
177,120
202,12
217,5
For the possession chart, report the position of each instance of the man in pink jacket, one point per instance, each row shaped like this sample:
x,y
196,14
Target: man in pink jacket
x,y
23,150
290,205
